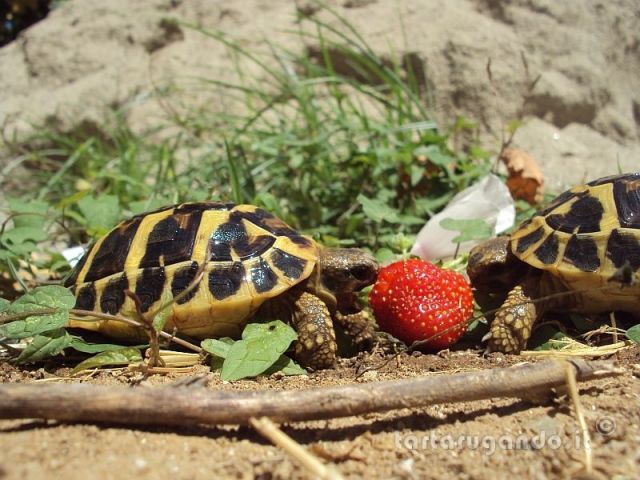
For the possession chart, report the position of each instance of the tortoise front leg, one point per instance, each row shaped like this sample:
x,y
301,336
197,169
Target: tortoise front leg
x,y
512,325
358,328
316,346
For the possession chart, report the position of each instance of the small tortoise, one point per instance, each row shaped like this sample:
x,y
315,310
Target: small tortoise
x,y
257,266
578,244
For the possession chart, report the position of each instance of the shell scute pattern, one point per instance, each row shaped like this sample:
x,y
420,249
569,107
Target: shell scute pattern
x,y
572,252
586,233
253,256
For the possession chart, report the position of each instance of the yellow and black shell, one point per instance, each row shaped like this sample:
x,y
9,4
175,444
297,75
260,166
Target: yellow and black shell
x,y
252,256
586,234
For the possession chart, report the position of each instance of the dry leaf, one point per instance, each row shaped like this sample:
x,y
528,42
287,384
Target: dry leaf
x,y
525,179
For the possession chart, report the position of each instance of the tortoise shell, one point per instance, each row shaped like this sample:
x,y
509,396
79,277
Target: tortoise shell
x,y
586,234
252,257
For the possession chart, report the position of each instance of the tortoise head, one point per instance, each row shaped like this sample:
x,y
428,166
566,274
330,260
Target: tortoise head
x,y
344,270
493,267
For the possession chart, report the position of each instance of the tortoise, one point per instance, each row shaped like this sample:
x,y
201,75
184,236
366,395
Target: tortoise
x,y
578,245
256,267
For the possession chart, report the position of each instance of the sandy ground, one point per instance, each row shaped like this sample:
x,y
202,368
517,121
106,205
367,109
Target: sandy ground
x,y
500,438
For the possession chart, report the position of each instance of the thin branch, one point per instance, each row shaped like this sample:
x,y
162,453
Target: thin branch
x,y
180,407
265,427
577,407
133,323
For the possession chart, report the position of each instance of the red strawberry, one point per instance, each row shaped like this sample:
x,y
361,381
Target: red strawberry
x,y
414,300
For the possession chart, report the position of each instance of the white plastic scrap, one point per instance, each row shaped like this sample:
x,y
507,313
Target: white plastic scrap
x,y
488,200
73,254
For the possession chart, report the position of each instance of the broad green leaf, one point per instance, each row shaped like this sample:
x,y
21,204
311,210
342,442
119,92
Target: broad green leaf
x,y
23,250
470,229
100,213
28,214
377,210
275,331
633,333
34,325
259,349
47,297
45,346
53,300
124,356
384,255
18,235
217,347
4,304
285,365
248,358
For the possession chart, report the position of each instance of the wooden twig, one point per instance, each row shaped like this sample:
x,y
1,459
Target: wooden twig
x,y
176,406
265,427
579,411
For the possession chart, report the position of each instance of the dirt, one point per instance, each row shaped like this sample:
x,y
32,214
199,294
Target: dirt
x,y
499,438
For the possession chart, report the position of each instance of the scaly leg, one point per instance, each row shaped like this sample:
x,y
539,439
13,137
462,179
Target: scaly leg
x,y
358,327
316,346
511,327
355,321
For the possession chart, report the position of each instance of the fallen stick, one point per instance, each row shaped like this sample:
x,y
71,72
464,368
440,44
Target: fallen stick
x,y
189,406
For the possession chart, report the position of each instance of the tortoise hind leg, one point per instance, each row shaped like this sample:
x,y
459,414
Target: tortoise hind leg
x,y
511,327
316,346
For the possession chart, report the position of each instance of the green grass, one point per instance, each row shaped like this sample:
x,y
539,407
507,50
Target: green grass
x,y
337,141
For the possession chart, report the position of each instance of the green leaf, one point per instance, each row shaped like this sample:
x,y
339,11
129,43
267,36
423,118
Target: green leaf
x,y
217,347
124,356
4,304
41,299
633,333
543,337
19,235
28,214
470,229
142,206
160,318
285,365
417,174
216,363
434,155
71,199
377,210
581,323
81,345
45,346
276,331
384,255
260,347
100,213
